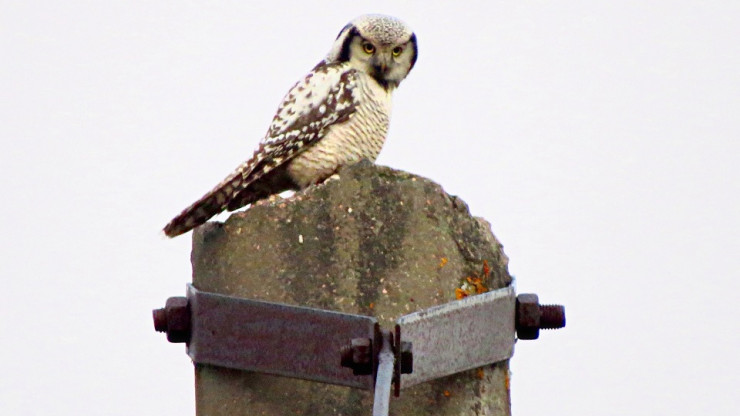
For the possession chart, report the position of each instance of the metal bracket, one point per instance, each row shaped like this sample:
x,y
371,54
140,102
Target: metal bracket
x,y
460,335
273,338
351,350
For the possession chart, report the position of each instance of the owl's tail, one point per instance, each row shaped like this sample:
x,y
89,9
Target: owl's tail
x,y
207,206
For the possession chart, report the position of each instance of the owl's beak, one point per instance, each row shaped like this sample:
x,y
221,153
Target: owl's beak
x,y
380,66
380,70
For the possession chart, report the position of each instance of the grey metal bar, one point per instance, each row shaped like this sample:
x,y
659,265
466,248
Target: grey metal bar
x,y
386,359
460,335
275,338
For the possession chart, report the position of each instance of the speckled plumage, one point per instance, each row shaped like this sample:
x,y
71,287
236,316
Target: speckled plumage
x,y
336,115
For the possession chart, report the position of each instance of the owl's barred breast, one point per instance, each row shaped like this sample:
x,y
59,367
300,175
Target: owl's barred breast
x,y
360,137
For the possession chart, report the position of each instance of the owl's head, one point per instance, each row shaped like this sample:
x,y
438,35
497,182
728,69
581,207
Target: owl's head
x,y
381,46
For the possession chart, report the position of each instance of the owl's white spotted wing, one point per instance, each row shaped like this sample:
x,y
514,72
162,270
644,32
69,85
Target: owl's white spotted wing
x,y
325,97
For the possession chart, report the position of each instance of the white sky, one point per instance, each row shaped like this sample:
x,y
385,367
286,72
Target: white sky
x,y
601,140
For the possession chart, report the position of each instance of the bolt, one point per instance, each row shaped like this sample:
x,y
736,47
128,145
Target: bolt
x,y
553,316
531,316
160,320
358,355
174,319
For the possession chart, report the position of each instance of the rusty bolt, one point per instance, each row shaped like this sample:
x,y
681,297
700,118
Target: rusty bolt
x,y
531,316
174,319
358,355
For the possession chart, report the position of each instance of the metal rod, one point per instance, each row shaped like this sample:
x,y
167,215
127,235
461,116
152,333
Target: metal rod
x,y
385,376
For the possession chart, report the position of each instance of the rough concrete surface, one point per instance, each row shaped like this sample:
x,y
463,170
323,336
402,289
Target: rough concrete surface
x,y
374,241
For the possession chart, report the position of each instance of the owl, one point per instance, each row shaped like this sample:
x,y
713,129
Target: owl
x,y
336,115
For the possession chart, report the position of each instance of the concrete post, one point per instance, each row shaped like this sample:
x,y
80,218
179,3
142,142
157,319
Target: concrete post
x,y
377,242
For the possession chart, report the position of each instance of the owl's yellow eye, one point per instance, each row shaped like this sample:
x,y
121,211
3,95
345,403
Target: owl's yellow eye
x,y
368,48
397,51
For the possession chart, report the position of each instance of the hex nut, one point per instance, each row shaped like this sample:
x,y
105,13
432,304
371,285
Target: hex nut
x,y
407,358
357,355
178,319
528,316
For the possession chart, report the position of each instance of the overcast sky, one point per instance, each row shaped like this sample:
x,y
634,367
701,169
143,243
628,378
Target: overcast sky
x,y
600,139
